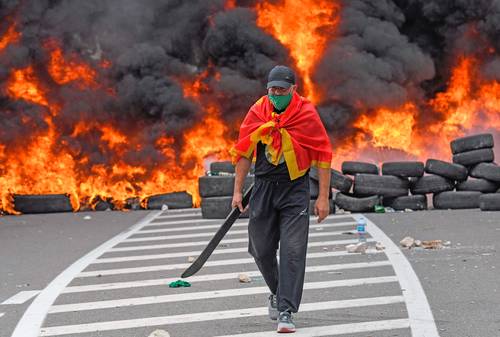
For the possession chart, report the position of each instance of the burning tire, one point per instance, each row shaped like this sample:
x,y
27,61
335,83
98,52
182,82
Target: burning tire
x,y
489,202
474,157
489,171
353,204
387,186
313,202
219,186
222,166
448,170
456,200
477,185
403,169
470,143
175,200
413,202
43,203
431,184
338,181
358,167
218,208
104,206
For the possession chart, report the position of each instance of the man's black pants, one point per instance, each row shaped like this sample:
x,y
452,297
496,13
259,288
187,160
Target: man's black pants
x,y
279,214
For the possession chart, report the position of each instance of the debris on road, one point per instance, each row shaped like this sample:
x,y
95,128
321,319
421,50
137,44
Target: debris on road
x,y
179,283
379,246
432,244
191,259
87,217
407,242
244,278
357,248
159,333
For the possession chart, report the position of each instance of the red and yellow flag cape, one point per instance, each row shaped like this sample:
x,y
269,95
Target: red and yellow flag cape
x,y
298,134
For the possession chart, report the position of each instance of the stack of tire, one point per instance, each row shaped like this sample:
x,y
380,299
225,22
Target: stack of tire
x,y
390,189
216,190
357,202
477,176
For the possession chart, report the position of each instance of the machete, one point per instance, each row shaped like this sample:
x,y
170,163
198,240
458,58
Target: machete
x,y
205,254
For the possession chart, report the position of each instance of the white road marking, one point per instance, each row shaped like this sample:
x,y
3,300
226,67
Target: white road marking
x,y
179,215
216,252
30,323
192,244
1,314
219,221
211,234
131,270
21,297
203,227
180,211
421,319
209,316
201,295
337,329
173,245
216,277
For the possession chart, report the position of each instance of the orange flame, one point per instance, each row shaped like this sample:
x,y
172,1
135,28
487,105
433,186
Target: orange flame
x,y
392,128
230,4
64,71
47,165
469,104
10,36
207,139
23,85
304,27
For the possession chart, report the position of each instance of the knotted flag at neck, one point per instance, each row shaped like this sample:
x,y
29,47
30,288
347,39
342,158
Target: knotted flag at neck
x,y
297,133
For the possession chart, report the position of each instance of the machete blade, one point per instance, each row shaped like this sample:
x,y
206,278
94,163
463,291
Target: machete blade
x,y
214,242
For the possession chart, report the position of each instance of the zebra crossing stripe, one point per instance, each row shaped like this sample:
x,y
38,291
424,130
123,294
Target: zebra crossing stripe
x,y
131,270
204,227
209,316
226,241
337,329
21,297
215,277
216,252
201,220
201,295
210,234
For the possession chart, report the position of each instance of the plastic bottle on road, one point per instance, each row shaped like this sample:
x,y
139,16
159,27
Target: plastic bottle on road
x,y
361,229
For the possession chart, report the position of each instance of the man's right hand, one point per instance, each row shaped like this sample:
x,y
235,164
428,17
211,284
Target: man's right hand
x,y
237,201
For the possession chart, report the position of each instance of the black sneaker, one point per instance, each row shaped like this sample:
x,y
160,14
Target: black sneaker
x,y
285,323
272,307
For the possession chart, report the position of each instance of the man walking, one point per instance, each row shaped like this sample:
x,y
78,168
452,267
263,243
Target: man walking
x,y
284,132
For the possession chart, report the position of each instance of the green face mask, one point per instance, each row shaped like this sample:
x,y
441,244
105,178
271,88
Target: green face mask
x,y
280,102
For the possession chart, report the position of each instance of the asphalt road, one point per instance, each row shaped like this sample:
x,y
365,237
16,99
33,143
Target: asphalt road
x,y
118,294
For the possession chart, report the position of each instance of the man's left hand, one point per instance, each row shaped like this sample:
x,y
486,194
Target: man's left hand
x,y
321,208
